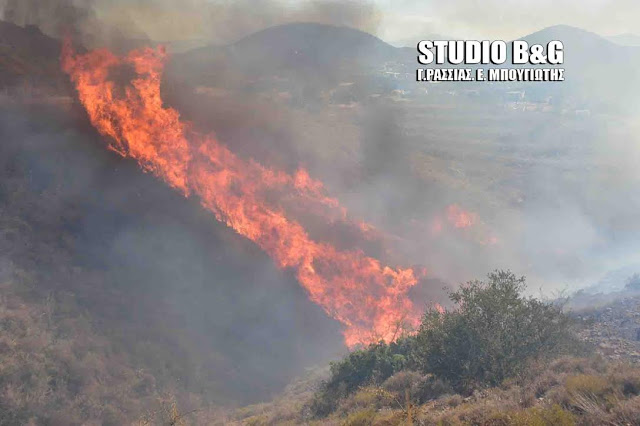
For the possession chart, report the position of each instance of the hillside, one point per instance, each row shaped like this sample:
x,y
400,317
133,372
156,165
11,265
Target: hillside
x,y
625,39
119,296
29,59
310,61
598,384
122,301
320,54
599,72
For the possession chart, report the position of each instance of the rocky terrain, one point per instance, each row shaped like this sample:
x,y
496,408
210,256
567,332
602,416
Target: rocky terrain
x,y
614,328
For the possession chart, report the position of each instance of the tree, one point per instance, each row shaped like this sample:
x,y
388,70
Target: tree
x,y
491,334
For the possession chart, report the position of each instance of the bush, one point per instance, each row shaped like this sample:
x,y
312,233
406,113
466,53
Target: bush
x,y
627,412
492,335
536,416
361,418
422,388
370,366
627,379
588,384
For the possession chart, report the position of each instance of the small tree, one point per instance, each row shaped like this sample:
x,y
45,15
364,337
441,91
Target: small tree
x,y
491,335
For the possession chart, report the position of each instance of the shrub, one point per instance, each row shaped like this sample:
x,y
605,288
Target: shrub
x,y
537,416
627,379
627,412
370,366
421,388
587,384
493,333
361,418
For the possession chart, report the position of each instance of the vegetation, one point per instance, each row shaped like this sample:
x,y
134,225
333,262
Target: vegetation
x,y
103,318
112,305
493,333
566,391
86,340
496,358
374,364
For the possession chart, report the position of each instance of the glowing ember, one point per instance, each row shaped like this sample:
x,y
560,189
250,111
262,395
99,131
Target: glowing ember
x,y
370,299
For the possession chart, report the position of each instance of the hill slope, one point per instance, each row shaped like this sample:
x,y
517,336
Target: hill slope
x,y
117,289
28,58
625,39
598,73
296,48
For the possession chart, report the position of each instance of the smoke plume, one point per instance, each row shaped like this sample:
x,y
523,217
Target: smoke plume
x,y
112,22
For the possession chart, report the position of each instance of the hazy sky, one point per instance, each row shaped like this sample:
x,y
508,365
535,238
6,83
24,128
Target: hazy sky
x,y
400,22
404,20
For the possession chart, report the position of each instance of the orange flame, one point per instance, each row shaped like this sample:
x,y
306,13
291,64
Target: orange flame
x,y
460,218
370,299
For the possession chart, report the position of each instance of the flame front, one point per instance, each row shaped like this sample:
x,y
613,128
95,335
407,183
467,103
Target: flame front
x,y
370,299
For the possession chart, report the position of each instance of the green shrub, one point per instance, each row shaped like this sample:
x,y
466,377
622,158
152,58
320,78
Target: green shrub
x,y
370,366
491,335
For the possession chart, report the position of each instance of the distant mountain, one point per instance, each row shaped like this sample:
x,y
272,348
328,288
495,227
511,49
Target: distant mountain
x,y
568,35
306,59
583,48
319,54
598,72
625,39
411,42
28,39
311,45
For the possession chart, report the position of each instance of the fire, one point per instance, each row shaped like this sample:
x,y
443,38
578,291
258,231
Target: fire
x,y
467,224
460,218
367,297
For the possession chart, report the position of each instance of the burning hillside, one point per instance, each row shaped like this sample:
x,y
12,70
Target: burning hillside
x,y
369,298
280,191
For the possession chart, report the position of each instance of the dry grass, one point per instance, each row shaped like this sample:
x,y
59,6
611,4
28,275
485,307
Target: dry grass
x,y
569,391
55,369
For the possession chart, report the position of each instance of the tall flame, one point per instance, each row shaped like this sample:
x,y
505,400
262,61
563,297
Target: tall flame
x,y
370,299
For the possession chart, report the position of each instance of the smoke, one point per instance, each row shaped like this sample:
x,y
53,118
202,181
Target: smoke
x,y
183,296
405,21
112,22
552,194
552,197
